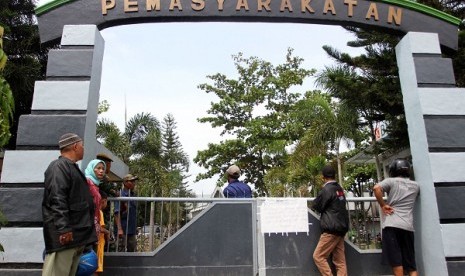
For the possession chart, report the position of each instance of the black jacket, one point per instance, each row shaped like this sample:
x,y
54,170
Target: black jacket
x,y
331,204
67,206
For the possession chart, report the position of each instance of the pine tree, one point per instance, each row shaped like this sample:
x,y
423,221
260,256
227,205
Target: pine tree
x,y
175,160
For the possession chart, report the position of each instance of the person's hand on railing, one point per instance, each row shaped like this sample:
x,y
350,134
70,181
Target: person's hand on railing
x,y
120,232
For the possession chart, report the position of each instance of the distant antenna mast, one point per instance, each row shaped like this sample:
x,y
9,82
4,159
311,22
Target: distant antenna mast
x,y
125,111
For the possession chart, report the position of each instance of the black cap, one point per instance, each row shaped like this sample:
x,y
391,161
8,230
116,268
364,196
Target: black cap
x,y
104,157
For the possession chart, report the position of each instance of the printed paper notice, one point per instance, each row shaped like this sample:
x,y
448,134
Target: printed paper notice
x,y
284,215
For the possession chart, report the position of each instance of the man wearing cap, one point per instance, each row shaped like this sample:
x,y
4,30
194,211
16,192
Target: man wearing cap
x,y
126,216
236,188
334,223
67,210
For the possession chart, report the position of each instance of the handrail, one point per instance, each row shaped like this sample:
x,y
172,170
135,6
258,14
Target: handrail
x,y
196,199
160,223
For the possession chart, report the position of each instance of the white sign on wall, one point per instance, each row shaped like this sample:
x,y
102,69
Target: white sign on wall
x,y
284,215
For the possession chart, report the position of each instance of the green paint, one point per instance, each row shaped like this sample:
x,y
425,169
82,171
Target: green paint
x,y
51,6
414,6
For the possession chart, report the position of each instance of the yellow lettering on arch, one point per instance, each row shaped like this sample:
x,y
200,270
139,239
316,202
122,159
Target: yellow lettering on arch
x,y
372,12
152,5
220,4
305,6
107,5
263,5
329,6
175,4
350,6
242,4
130,6
285,4
395,15
198,5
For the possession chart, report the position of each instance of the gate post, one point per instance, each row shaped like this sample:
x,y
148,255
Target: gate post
x,y
435,114
67,101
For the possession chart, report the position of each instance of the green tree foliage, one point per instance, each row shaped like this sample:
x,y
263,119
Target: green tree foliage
x,y
6,111
453,7
369,84
254,114
174,156
6,98
333,123
103,106
175,160
144,136
113,139
360,178
27,58
152,152
176,164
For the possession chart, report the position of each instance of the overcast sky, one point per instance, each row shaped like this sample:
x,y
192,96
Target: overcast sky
x,y
157,68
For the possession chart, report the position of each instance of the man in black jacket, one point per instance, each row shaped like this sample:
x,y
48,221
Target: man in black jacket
x,y
334,222
67,210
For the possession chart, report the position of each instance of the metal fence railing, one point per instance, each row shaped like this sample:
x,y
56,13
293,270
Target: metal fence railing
x,y
157,219
365,224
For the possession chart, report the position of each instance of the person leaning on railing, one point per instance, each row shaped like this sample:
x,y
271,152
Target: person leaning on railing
x,y
126,216
397,217
334,223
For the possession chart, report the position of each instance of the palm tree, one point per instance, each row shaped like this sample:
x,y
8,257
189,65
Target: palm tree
x,y
139,146
360,94
113,139
144,135
333,123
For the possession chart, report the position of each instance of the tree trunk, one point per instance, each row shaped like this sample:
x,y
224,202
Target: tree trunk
x,y
339,165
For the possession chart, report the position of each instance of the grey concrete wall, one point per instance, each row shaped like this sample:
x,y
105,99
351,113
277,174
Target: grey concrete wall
x,y
292,254
436,119
73,81
31,243
218,242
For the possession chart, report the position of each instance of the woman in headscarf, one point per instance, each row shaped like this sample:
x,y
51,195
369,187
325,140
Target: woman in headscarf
x,y
95,172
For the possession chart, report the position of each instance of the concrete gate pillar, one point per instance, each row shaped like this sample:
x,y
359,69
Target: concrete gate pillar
x,y
67,101
435,113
